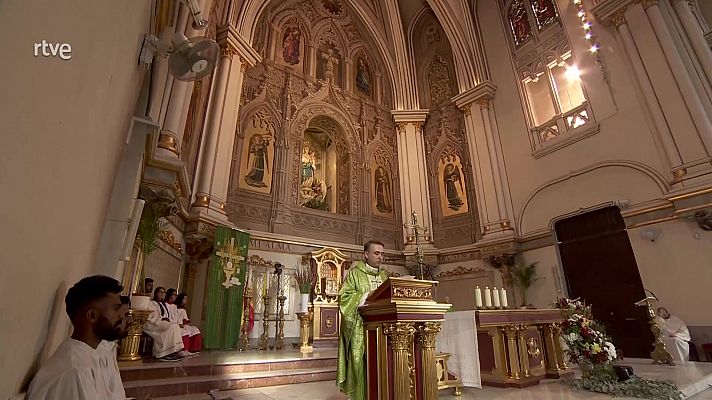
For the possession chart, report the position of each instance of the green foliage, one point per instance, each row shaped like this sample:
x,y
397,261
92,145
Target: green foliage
x,y
636,387
306,279
150,226
524,276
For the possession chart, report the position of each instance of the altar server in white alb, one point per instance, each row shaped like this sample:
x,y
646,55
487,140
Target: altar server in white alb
x,y
676,336
167,341
77,370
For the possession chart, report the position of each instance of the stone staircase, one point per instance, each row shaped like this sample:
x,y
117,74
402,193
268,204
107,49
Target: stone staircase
x,y
207,372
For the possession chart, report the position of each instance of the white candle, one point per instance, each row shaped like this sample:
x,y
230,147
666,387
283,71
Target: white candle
x,y
488,297
504,298
478,297
495,297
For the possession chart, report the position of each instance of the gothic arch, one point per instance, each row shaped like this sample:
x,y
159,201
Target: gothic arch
x,y
317,106
250,109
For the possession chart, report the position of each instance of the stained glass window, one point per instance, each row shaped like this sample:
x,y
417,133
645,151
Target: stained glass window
x,y
545,12
519,22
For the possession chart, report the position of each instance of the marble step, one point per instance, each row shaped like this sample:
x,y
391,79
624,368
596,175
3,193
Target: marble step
x,y
181,385
207,367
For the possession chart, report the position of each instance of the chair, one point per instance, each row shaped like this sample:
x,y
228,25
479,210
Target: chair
x,y
707,349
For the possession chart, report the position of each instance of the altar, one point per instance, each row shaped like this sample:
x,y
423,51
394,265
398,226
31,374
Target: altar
x,y
504,348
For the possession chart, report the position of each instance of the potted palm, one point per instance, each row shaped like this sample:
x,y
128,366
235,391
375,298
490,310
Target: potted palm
x,y
306,278
524,276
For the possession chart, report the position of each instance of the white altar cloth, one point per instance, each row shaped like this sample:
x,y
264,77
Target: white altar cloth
x,y
459,338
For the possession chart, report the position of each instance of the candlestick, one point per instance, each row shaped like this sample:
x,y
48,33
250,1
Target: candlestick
x,y
504,298
488,297
495,297
478,297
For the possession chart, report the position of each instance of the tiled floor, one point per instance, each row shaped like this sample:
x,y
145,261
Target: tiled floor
x,y
697,375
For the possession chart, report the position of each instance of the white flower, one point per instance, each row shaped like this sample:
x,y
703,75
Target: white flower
x,y
611,350
573,336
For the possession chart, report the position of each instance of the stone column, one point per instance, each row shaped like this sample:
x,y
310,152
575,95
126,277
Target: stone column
x,y
400,337
413,169
493,198
216,152
312,60
378,88
348,72
273,39
695,34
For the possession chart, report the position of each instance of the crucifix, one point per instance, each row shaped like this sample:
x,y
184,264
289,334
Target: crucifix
x,y
416,229
229,254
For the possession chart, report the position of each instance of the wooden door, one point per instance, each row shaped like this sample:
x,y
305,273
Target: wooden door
x,y
600,268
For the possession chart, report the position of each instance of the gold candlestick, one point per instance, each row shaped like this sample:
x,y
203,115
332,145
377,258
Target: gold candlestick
x,y
279,338
130,344
305,319
263,343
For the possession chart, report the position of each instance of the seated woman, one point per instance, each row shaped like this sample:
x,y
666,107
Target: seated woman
x,y
192,338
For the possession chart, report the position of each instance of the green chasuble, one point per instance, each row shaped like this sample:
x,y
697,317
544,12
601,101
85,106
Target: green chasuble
x,y
351,369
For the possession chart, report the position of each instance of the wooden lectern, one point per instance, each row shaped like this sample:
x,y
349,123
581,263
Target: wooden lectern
x,y
402,321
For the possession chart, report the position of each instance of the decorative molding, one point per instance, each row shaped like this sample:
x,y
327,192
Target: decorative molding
x,y
167,237
460,270
255,260
567,139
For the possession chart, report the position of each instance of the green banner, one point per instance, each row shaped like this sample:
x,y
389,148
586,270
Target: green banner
x,y
226,280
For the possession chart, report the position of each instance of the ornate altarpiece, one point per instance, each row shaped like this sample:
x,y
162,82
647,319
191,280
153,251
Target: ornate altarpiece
x,y
330,265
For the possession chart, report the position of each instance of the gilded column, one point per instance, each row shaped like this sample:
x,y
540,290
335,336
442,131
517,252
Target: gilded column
x,y
427,333
552,360
413,169
493,198
523,353
400,336
511,332
216,152
560,361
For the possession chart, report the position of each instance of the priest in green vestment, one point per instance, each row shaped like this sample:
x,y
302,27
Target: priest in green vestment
x,y
364,277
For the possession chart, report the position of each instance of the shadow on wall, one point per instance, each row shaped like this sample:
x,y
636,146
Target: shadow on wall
x,y
57,323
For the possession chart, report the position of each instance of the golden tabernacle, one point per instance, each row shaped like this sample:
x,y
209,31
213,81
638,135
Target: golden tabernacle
x,y
519,347
402,322
329,264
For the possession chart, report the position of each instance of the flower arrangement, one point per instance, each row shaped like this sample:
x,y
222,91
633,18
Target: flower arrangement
x,y
585,337
592,349
306,278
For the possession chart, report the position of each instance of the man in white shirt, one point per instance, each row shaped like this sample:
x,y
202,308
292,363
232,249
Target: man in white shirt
x,y
76,370
167,340
676,336
109,349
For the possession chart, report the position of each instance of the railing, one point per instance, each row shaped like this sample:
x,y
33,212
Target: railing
x,y
561,125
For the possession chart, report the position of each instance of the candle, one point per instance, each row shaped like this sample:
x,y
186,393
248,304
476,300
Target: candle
x,y
488,297
478,297
495,297
504,298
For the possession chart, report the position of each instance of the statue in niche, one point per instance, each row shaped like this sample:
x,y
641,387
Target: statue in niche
x,y
309,162
519,22
363,80
330,61
451,175
384,200
291,43
312,189
258,154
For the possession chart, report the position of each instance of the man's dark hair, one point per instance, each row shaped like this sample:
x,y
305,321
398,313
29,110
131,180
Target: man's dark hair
x,y
147,280
125,300
155,291
170,292
89,289
368,244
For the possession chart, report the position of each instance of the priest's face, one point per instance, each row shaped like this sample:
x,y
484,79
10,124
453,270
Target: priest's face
x,y
374,255
108,317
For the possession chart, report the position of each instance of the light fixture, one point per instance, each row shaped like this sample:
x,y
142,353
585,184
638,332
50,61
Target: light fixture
x,y
587,25
572,73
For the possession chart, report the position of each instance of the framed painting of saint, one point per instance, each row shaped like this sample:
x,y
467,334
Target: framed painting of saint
x,y
451,181
257,156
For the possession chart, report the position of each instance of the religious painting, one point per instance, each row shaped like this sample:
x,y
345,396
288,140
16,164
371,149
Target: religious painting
x,y
382,202
291,43
333,6
328,65
519,22
544,12
451,180
257,156
363,76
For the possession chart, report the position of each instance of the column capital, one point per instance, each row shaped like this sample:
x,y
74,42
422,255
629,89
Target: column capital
x,y
605,9
409,116
231,41
482,94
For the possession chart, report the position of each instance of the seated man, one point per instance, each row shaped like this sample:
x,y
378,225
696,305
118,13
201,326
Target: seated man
x,y
108,353
170,303
676,336
148,287
75,370
167,341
